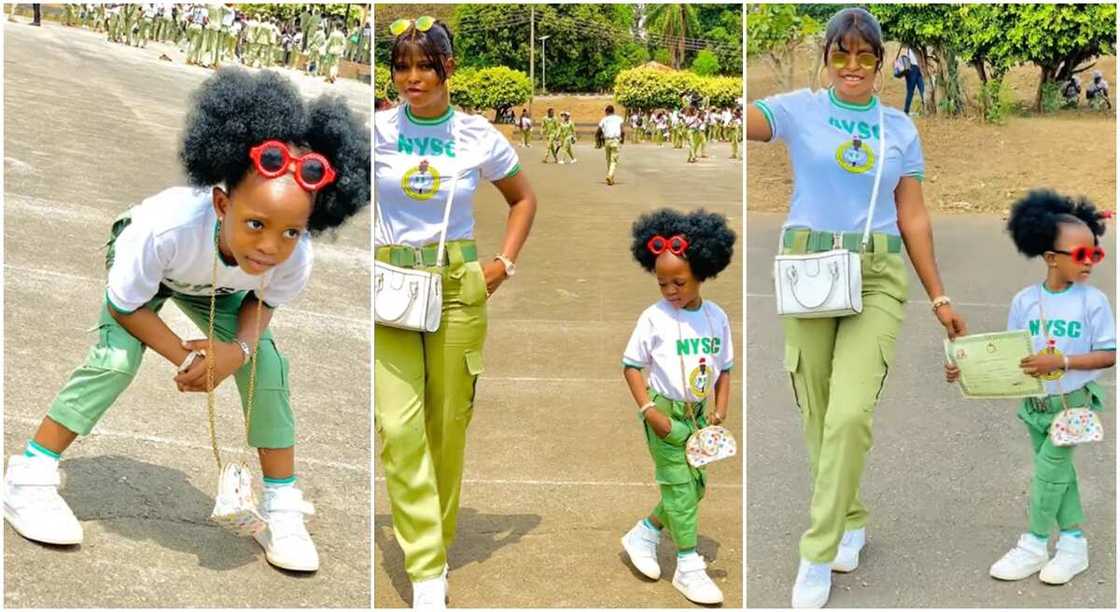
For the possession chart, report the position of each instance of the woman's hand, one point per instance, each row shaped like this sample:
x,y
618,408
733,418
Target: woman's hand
x,y
495,273
1042,364
954,323
228,358
952,373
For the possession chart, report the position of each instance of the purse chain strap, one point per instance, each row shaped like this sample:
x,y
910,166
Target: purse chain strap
x,y
690,407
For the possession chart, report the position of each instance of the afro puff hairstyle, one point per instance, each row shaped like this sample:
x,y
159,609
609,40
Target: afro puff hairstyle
x,y
1035,220
235,110
710,241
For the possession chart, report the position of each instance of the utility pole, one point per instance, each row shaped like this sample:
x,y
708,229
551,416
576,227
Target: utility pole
x,y
532,47
544,83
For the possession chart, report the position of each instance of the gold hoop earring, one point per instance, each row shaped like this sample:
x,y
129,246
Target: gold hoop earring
x,y
819,85
879,82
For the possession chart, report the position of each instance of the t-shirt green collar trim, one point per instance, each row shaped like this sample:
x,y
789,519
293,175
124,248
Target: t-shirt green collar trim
x,y
1066,290
434,121
836,101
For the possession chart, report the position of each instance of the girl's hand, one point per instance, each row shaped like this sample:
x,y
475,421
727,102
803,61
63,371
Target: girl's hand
x,y
952,373
1042,364
228,358
719,416
954,324
495,273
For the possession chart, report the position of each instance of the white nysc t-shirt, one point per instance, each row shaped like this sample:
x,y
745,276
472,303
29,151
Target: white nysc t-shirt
x,y
170,241
702,340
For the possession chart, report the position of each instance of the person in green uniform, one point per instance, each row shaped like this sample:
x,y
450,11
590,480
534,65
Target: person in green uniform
x,y
425,383
525,125
736,135
610,126
315,48
196,34
566,135
548,131
332,52
694,127
838,365
683,346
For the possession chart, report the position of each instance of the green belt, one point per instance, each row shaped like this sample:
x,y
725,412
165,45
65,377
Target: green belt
x,y
458,251
825,241
667,404
1080,398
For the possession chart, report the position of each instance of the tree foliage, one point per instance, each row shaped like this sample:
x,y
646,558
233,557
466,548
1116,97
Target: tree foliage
x,y
775,33
645,88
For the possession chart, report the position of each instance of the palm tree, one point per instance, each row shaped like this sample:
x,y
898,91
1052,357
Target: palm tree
x,y
673,22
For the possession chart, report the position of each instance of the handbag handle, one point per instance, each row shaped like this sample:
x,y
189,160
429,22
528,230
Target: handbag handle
x,y
791,272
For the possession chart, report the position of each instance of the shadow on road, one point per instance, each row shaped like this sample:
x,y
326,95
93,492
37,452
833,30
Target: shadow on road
x,y
144,501
479,537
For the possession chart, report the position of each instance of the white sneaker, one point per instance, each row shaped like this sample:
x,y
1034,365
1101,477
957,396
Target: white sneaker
x,y
429,594
561,162
1070,559
813,585
32,504
286,542
691,579
847,556
640,544
1027,558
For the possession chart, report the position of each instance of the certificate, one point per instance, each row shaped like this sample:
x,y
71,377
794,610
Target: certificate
x,y
989,365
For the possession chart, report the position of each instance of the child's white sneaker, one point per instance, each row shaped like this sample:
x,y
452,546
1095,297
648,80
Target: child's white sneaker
x,y
286,542
1027,558
847,555
32,504
640,544
430,594
691,579
812,586
1070,559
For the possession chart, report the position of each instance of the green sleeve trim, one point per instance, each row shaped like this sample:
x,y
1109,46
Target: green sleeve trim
x,y
729,367
632,364
918,175
1105,348
678,435
760,105
514,171
117,308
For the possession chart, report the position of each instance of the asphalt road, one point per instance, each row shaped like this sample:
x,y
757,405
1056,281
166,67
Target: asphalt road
x,y
89,129
557,469
948,479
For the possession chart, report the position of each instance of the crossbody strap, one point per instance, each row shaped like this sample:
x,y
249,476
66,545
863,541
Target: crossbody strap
x,y
1046,334
878,178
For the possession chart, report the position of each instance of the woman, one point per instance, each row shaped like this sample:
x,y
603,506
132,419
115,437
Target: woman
x,y
424,385
839,365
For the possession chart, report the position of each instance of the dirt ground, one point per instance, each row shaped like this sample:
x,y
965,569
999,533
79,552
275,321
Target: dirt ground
x,y
557,470
971,166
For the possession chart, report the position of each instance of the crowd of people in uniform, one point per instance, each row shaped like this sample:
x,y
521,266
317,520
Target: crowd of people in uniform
x,y
213,34
693,125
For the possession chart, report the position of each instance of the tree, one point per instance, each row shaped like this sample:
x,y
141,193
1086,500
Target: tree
x,y
383,83
775,31
495,88
674,23
705,63
929,30
1060,38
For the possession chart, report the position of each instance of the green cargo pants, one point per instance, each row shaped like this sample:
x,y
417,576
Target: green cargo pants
x,y
838,368
612,146
424,386
681,485
1054,495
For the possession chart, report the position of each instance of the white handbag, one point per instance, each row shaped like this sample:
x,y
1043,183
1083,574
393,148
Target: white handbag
x,y
407,298
828,284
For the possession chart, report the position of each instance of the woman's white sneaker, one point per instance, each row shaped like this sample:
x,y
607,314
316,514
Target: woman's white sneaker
x,y
692,580
430,594
847,555
1027,558
286,542
640,544
1070,559
812,586
32,504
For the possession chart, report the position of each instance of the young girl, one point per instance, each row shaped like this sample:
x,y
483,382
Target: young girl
x,y
684,344
1074,333
266,172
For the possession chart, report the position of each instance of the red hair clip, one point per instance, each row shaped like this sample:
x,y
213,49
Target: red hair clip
x,y
676,245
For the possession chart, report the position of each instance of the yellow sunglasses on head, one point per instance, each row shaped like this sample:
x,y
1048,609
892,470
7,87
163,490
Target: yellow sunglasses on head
x,y
839,60
422,24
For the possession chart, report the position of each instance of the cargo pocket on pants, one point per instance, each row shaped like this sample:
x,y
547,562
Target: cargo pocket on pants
x,y
790,364
474,369
886,354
